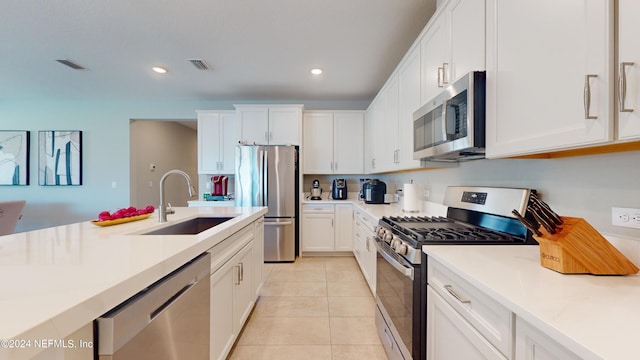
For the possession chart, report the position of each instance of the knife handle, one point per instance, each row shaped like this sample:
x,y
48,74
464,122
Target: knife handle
x,y
526,223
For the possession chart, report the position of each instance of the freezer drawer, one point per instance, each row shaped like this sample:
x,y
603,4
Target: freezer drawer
x,y
279,239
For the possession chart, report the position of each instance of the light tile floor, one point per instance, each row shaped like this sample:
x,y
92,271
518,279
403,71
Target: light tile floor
x,y
318,308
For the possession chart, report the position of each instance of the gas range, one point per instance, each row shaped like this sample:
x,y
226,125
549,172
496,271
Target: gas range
x,y
475,216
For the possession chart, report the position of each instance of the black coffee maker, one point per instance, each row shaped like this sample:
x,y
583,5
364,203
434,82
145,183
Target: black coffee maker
x,y
374,191
339,189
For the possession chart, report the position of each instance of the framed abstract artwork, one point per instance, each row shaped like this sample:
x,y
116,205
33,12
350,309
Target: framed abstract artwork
x,y
60,158
14,157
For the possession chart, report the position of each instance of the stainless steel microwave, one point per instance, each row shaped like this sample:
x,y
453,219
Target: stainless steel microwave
x,y
451,127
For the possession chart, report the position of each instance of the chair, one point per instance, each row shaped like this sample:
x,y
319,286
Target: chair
x,y
10,213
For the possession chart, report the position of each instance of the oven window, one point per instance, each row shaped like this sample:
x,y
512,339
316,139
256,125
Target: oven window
x,y
395,291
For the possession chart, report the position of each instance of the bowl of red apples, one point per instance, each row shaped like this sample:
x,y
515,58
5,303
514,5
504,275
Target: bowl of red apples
x,y
123,215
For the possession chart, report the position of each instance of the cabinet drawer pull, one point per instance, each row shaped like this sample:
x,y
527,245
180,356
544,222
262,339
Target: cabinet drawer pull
x,y
587,97
440,76
453,293
622,86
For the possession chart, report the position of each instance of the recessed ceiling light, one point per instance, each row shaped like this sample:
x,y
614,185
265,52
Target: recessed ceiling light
x,y
316,71
159,70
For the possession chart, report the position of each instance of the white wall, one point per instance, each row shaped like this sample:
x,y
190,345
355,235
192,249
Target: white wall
x,y
105,126
167,145
586,186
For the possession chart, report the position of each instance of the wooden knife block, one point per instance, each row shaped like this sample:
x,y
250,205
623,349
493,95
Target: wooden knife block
x,y
578,248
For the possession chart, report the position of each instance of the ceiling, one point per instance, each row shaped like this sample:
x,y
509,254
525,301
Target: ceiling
x,y
256,49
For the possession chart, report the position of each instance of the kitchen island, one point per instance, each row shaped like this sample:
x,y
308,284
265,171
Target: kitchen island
x,y
57,280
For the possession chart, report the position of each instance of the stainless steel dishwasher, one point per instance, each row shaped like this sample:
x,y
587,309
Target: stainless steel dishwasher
x,y
168,320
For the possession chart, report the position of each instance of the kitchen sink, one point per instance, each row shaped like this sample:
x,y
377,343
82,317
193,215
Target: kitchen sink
x,y
190,227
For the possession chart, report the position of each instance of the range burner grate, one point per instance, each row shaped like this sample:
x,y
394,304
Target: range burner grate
x,y
447,234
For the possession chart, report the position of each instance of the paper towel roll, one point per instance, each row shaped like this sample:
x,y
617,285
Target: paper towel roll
x,y
410,202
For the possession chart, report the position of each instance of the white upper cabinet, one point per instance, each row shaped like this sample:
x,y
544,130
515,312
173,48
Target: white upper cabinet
x,y
409,101
628,70
465,38
549,75
285,125
452,45
273,124
217,134
333,142
434,62
317,142
390,135
374,135
348,142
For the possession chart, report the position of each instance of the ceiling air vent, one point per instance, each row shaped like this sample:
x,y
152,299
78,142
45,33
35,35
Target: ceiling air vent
x,y
199,64
70,64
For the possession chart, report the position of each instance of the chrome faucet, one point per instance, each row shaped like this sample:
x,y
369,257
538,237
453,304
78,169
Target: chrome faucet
x,y
162,210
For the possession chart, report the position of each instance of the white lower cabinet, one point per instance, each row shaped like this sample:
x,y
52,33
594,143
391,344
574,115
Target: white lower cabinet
x,y
343,235
459,313
233,289
317,228
466,323
532,344
327,227
450,336
258,257
364,247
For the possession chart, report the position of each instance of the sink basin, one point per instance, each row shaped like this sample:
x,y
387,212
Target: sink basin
x,y
190,227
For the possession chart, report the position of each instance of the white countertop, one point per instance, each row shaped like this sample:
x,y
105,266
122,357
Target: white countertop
x,y
380,210
596,317
55,280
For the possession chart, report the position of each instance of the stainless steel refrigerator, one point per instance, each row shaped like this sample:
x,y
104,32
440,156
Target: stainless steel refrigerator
x,y
267,175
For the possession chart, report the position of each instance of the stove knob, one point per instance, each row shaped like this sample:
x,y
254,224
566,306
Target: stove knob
x,y
402,249
395,242
388,237
380,231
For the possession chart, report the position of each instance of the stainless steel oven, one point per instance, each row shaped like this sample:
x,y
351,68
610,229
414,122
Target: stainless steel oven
x,y
451,127
398,303
475,215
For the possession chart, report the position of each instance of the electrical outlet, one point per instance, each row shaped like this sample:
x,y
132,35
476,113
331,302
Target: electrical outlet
x,y
626,217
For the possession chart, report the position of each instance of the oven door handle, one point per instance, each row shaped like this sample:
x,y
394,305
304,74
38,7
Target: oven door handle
x,y
406,271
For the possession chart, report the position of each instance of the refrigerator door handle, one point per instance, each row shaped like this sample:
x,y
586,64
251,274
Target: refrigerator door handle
x,y
265,179
261,166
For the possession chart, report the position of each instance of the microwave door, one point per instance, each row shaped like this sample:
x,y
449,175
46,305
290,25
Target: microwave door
x,y
451,121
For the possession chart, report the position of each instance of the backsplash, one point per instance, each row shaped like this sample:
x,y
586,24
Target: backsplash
x,y
586,186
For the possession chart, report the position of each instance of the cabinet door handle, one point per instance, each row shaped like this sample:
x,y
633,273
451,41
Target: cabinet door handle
x,y
445,71
237,267
587,96
440,76
453,293
241,272
266,136
335,166
622,86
